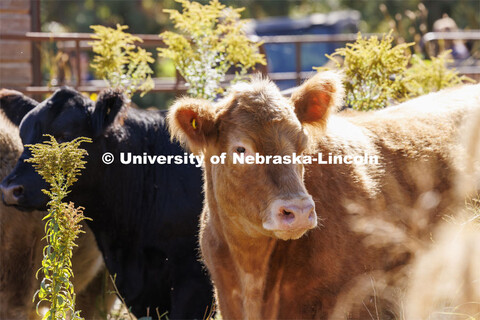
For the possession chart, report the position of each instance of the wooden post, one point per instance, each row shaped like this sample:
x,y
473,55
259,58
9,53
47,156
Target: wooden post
x,y
36,57
298,62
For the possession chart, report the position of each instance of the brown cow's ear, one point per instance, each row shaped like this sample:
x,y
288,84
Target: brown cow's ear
x,y
192,122
317,97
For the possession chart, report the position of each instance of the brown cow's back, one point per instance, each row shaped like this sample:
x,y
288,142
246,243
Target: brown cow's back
x,y
393,206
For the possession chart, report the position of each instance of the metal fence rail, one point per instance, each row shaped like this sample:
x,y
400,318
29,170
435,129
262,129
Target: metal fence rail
x,y
471,67
78,42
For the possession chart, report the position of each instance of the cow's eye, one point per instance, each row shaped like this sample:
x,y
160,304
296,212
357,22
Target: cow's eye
x,y
240,150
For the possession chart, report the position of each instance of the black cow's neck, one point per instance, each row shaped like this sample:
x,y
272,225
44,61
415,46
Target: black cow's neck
x,y
129,202
136,192
113,186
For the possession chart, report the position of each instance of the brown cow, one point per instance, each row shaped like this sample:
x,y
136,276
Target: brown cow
x,y
21,244
445,278
269,255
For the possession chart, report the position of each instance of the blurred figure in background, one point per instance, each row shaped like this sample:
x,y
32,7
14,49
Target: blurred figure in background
x,y
459,50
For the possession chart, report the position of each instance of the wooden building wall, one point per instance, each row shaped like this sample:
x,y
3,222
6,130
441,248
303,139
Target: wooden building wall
x,y
15,56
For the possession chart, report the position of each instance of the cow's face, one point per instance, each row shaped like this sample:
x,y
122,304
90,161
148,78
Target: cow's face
x,y
269,199
66,115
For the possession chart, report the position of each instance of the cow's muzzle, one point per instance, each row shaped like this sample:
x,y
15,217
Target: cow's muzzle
x,y
11,194
290,219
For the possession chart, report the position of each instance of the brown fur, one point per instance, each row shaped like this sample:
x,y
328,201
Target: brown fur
x,y
21,248
444,283
445,278
371,217
469,159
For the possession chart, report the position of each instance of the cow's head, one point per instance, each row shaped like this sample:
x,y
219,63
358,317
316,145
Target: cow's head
x,y
262,199
66,115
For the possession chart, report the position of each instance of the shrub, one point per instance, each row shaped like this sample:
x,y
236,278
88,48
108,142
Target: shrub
x,y
210,41
120,62
374,69
59,165
426,76
378,73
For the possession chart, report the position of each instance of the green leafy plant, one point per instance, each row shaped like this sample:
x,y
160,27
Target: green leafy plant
x,y
424,76
378,73
210,40
120,62
59,164
373,68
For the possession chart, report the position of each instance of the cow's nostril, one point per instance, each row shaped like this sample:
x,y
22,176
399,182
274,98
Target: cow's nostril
x,y
17,191
287,216
12,194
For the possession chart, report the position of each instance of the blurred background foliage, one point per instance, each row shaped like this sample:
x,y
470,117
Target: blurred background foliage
x,y
147,16
410,19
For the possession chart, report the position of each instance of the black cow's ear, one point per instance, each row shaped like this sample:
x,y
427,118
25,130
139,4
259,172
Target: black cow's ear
x,y
318,97
109,104
15,105
192,122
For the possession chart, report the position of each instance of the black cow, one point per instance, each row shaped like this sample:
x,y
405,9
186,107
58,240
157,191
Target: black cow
x,y
145,217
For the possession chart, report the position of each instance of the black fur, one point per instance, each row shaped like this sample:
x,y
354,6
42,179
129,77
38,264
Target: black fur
x,y
145,217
